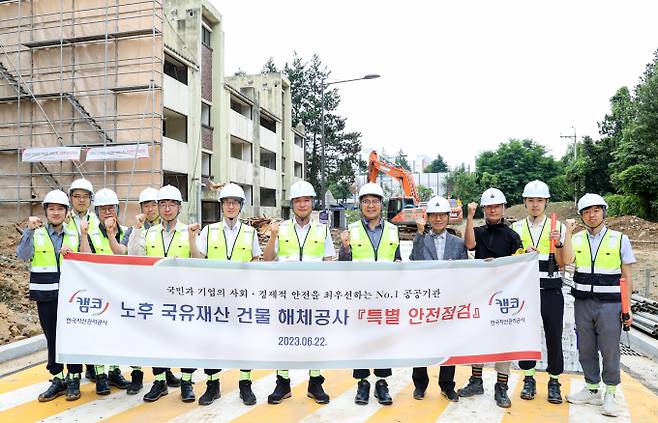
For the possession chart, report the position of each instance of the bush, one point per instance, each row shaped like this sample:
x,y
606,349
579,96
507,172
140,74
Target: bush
x,y
620,205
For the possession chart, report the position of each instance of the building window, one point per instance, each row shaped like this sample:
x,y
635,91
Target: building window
x,y
205,164
267,123
241,150
299,141
174,125
267,197
299,170
205,36
210,212
175,69
248,194
179,180
205,114
267,159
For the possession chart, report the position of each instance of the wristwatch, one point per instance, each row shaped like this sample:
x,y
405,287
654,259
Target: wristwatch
x,y
560,245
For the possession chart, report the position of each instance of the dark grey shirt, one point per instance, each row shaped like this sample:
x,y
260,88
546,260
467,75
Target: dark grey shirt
x,y
25,249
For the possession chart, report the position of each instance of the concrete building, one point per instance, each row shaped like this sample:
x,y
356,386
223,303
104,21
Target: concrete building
x,y
79,75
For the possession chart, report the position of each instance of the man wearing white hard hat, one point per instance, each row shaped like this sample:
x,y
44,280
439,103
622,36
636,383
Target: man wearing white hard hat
x,y
169,238
106,237
494,239
44,247
536,235
148,205
372,238
299,239
602,257
438,244
229,240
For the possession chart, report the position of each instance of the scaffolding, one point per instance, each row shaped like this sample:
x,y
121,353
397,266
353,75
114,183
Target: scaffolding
x,y
79,73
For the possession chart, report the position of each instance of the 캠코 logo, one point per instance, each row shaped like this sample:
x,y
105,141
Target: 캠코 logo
x,y
88,304
507,305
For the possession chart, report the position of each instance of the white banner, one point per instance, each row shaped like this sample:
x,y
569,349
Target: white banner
x,y
51,154
212,314
118,152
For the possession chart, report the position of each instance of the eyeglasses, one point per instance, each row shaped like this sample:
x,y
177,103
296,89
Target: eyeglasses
x,y
233,203
371,202
81,196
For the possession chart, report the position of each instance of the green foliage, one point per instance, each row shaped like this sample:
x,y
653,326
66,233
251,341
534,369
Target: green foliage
x,y
424,192
269,66
401,160
514,164
561,189
621,205
591,171
438,165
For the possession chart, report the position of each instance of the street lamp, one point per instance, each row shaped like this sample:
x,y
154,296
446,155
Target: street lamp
x,y
322,141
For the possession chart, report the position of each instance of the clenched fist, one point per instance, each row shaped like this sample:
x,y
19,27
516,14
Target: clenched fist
x,y
345,238
472,208
34,222
420,224
193,230
139,220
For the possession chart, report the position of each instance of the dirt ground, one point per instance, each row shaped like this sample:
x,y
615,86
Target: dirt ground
x,y
18,315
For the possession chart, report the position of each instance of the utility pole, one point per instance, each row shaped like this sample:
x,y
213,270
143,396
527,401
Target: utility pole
x,y
575,157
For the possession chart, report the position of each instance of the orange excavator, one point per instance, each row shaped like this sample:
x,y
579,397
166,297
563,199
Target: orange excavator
x,y
404,210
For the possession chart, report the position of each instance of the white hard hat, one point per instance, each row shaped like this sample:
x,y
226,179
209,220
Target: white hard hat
x,y
148,194
371,188
56,196
169,192
438,204
232,190
492,196
536,189
301,189
82,183
589,200
106,197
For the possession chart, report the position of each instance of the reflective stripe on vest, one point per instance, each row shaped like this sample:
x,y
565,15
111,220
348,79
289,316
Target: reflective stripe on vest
x,y
364,251
242,247
101,242
543,246
92,223
178,247
290,248
598,277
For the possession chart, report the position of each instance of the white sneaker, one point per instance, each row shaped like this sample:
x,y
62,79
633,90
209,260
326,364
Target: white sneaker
x,y
610,405
585,396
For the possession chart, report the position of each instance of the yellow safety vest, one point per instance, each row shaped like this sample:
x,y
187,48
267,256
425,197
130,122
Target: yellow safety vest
x,y
543,246
178,247
290,247
93,222
44,274
597,277
101,242
242,248
364,251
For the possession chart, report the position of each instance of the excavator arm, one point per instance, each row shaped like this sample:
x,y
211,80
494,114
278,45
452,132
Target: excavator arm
x,y
376,165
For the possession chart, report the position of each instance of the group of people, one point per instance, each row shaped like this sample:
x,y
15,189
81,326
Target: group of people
x,y
601,257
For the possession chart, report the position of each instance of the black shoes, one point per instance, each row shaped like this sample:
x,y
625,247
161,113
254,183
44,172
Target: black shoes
x,y
187,392
529,388
419,393
102,384
115,378
451,395
172,381
90,372
281,392
362,392
136,382
72,388
246,394
474,387
500,395
57,387
554,394
381,392
212,393
315,390
158,390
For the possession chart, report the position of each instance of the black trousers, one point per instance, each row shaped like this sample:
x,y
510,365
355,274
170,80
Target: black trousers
x,y
446,378
48,318
160,370
364,373
552,315
211,372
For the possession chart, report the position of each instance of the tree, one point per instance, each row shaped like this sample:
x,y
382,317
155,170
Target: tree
x,y
424,192
269,66
438,165
463,184
342,149
401,160
514,164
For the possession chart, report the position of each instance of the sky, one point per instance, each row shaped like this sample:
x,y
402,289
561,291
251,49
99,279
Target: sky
x,y
457,77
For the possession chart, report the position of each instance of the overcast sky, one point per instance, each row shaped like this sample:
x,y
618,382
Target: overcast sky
x,y
457,77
